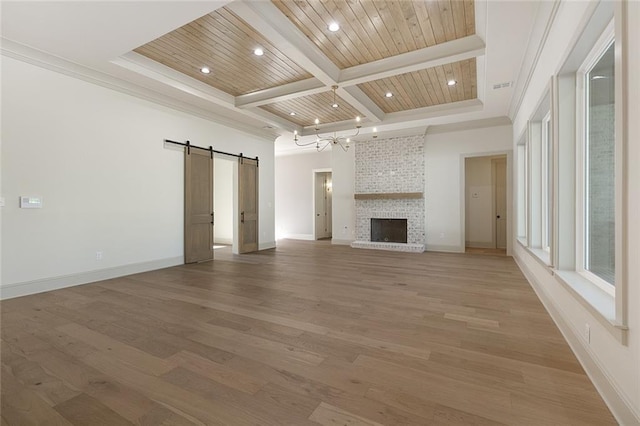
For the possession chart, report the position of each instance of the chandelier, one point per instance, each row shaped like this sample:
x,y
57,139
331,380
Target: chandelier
x,y
321,141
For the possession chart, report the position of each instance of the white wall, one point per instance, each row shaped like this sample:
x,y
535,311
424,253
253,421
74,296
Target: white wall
x,y
344,205
223,200
294,193
96,157
444,190
479,202
613,366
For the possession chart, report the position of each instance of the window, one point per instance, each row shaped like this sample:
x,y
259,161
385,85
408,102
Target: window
x,y
598,191
522,191
547,182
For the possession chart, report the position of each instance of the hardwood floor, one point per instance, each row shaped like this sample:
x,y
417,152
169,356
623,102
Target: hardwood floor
x,y
307,333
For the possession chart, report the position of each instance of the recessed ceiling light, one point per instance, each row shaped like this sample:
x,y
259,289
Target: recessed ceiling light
x,y
205,70
258,52
388,95
451,83
292,113
333,27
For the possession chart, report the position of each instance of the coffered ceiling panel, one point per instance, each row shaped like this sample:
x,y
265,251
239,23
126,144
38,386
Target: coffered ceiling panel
x,y
308,108
424,88
377,29
224,43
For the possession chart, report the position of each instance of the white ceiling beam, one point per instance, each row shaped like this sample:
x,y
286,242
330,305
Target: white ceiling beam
x,y
267,19
285,92
355,97
440,54
163,74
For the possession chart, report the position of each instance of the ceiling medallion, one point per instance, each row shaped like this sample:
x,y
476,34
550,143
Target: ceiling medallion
x,y
321,141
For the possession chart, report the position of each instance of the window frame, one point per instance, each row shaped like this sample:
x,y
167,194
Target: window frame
x,y
595,54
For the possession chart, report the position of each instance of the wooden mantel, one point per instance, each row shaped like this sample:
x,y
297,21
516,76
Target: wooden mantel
x,y
388,196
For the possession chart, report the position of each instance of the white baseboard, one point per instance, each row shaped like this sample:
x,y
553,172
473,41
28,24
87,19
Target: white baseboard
x,y
341,242
223,241
621,407
444,248
48,284
479,244
299,237
267,245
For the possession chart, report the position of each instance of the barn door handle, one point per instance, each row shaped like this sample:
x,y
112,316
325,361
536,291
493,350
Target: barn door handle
x,y
212,218
242,217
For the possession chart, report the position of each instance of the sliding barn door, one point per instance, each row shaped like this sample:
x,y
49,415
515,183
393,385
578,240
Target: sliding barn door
x,y
248,205
198,205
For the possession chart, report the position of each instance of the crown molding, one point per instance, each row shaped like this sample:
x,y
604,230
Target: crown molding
x,y
537,40
57,64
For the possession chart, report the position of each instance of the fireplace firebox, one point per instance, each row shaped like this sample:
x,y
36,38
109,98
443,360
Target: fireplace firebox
x,y
389,230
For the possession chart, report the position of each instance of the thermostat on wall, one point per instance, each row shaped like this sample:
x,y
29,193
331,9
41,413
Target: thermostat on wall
x,y
30,202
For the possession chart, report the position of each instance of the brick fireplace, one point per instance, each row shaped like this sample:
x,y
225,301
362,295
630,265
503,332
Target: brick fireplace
x,y
389,184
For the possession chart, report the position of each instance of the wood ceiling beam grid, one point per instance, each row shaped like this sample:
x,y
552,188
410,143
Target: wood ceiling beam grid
x,y
267,19
440,54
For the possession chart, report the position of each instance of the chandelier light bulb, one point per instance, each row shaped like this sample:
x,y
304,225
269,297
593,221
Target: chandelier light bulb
x,y
317,121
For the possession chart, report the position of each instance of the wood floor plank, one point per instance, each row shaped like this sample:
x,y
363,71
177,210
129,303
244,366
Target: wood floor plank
x,y
306,333
327,414
21,406
84,409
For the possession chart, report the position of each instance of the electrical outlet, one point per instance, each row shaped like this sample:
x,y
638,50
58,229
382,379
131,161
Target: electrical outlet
x,y
98,255
587,332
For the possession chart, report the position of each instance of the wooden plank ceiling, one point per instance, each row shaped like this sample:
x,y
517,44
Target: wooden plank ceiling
x,y
370,30
224,43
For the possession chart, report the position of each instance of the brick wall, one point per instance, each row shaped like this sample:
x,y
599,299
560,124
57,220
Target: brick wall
x,y
390,166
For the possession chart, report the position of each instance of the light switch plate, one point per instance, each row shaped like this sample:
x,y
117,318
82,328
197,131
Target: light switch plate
x,y
30,202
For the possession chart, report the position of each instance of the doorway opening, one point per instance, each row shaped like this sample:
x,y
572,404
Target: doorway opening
x,y
486,204
223,201
322,204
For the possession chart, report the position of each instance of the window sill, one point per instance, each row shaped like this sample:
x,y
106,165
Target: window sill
x,y
601,304
542,256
